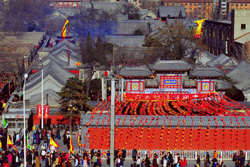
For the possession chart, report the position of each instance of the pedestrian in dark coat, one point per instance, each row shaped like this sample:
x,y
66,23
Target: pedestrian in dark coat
x,y
37,137
134,154
147,161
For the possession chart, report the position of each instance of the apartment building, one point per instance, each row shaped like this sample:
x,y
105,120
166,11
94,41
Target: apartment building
x,y
239,4
196,9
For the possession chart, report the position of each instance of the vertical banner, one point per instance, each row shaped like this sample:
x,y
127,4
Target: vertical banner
x,y
39,111
46,111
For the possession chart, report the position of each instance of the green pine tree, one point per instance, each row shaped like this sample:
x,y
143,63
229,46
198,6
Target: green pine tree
x,y
73,99
94,55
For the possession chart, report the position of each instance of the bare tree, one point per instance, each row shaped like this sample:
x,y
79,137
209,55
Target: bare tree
x,y
175,41
11,59
96,22
239,51
130,56
130,10
19,13
53,25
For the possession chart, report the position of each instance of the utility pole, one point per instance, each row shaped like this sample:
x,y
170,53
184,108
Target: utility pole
x,y
112,115
24,122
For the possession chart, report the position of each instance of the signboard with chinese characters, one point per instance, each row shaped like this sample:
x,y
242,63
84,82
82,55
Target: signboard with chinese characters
x,y
171,82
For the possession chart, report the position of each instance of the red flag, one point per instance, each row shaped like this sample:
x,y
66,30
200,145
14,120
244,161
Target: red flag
x,y
78,140
52,142
9,143
64,29
71,148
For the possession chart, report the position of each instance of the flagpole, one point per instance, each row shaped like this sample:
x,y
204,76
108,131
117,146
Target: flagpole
x,y
42,94
24,127
68,40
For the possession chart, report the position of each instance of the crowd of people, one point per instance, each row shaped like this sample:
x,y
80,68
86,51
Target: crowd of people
x,y
41,142
42,153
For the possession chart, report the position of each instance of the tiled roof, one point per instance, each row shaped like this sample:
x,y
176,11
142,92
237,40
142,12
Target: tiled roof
x,y
187,22
241,75
221,60
203,71
129,41
128,27
65,43
107,6
135,72
65,0
222,85
210,55
190,121
53,69
156,24
53,97
171,65
73,54
172,11
189,1
59,34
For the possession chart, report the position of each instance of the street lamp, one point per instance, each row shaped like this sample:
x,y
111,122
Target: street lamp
x,y
42,92
24,127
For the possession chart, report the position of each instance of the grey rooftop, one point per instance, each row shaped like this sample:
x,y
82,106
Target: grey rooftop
x,y
171,65
190,121
240,75
135,72
203,71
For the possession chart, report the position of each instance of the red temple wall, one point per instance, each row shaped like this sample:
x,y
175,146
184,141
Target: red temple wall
x,y
150,139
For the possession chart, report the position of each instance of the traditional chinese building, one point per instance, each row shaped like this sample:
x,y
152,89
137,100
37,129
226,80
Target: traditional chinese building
x,y
170,105
171,77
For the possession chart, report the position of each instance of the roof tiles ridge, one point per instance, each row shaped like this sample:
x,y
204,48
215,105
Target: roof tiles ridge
x,y
243,62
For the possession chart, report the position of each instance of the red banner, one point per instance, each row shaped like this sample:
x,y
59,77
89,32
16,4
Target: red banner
x,y
46,111
39,111
159,96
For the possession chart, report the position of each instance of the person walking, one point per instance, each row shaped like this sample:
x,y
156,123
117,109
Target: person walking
x,y
164,162
198,161
94,160
37,161
124,153
99,162
134,154
138,162
9,157
147,161
85,162
207,160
